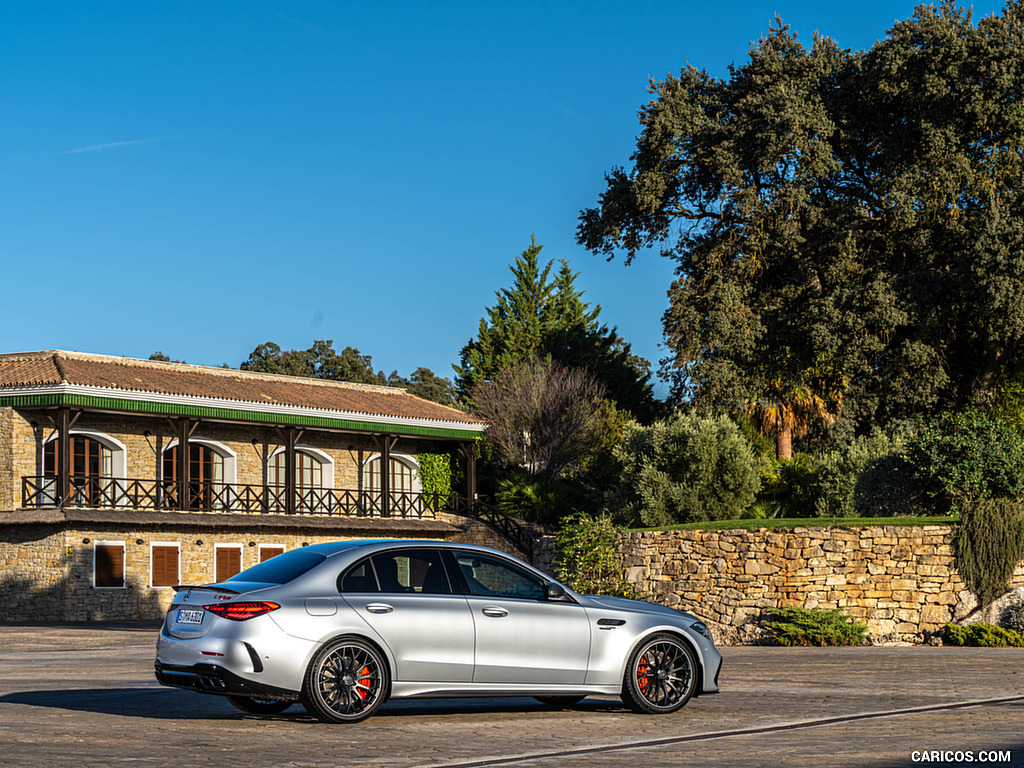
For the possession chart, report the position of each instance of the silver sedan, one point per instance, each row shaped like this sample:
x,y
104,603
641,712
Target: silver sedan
x,y
345,626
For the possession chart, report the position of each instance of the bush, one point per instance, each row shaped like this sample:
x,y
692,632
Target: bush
x,y
762,509
587,557
790,485
983,635
816,626
541,500
968,456
889,487
842,470
688,468
1013,617
987,545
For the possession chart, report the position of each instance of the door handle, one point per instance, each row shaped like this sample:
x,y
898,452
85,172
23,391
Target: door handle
x,y
379,608
494,611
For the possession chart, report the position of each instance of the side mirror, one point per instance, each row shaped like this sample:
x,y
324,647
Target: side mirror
x,y
556,591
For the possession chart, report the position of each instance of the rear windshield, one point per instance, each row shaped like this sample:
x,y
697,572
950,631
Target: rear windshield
x,y
282,568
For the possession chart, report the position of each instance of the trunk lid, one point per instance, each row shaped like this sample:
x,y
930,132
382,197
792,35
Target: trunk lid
x,y
186,617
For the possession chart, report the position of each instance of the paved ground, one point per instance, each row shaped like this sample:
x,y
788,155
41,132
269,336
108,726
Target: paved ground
x,y
84,696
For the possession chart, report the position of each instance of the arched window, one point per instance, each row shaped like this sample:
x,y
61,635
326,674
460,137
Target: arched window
x,y
96,461
314,477
309,470
405,483
210,472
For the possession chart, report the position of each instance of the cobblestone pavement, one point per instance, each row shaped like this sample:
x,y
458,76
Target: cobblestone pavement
x,y
84,696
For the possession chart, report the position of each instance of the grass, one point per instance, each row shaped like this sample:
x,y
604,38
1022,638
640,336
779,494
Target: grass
x,y
807,522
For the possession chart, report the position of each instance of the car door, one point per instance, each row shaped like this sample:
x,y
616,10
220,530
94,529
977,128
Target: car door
x,y
406,597
521,636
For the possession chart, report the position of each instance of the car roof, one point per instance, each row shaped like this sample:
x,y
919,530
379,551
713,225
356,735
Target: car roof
x,y
330,548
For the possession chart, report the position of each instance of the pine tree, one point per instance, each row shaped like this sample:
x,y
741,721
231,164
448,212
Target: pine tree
x,y
543,315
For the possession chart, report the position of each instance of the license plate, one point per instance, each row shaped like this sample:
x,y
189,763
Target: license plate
x,y
190,617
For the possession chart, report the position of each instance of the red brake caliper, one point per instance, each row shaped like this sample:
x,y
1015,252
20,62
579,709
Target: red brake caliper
x,y
364,679
641,673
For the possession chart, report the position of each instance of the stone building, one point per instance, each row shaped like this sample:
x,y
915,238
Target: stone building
x,y
121,478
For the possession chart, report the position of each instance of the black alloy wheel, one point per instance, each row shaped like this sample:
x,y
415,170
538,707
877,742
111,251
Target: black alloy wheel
x,y
346,682
661,676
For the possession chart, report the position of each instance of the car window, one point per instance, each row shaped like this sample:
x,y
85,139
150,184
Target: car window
x,y
412,570
281,569
493,577
359,578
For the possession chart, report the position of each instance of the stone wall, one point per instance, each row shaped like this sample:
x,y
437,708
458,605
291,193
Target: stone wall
x,y
899,579
17,456
7,475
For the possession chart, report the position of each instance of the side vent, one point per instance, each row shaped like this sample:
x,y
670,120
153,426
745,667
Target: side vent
x,y
257,664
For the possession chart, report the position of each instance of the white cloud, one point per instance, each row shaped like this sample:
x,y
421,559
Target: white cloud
x,y
111,145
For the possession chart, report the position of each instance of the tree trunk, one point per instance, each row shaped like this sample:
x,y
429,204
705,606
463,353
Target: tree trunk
x,y
784,443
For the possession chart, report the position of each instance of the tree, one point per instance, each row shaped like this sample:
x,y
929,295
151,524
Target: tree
x,y
320,361
858,213
543,314
426,384
323,362
968,456
544,417
791,412
160,357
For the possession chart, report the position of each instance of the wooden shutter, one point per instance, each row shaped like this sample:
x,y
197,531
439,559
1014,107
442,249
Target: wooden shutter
x,y
165,566
229,562
268,552
109,565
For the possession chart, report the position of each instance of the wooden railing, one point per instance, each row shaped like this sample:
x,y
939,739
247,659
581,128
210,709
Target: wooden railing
x,y
207,496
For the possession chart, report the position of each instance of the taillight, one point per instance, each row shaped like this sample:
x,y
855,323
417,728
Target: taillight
x,y
241,611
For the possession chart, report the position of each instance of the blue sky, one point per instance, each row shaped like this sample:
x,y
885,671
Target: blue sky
x,y
202,177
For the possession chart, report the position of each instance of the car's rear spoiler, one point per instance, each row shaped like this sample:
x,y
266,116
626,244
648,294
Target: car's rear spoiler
x,y
209,587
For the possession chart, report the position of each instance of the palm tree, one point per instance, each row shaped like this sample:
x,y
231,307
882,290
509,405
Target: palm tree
x,y
789,411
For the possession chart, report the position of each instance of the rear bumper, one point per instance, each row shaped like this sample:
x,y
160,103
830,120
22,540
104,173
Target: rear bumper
x,y
211,678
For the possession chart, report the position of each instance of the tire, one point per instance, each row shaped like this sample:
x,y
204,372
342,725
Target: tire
x,y
347,681
661,675
259,706
559,701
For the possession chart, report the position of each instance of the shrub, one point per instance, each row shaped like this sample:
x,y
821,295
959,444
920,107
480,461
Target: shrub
x,y
1013,617
587,557
762,509
436,476
816,626
841,471
688,468
987,545
542,500
968,456
888,487
791,485
983,635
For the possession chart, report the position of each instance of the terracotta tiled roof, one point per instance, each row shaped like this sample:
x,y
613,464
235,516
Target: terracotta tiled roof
x,y
145,376
28,372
